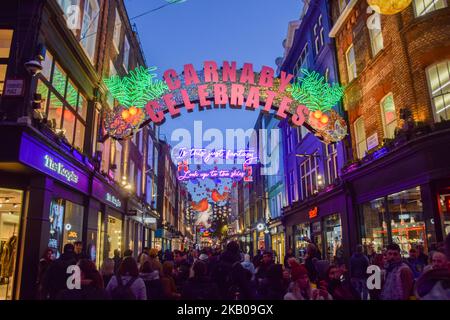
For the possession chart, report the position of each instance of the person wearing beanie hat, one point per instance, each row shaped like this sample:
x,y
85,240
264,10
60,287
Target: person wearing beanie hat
x,y
203,257
301,289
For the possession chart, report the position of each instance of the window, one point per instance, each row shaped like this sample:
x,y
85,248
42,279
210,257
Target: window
x,y
376,40
96,129
289,140
148,188
351,63
150,152
2,77
388,116
342,5
140,142
332,168
309,170
117,31
126,53
139,182
67,107
89,28
302,61
132,174
439,84
72,16
280,203
318,35
106,156
118,161
360,137
293,186
425,6
5,42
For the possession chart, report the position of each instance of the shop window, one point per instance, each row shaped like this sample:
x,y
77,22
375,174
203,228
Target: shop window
x,y
79,136
376,40
439,84
3,68
47,65
302,239
5,42
89,28
407,224
55,110
114,236
423,7
333,238
10,218
42,89
374,226
389,116
66,224
351,63
360,137
126,53
68,125
117,31
445,212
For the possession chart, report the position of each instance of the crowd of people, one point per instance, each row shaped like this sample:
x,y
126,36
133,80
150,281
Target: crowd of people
x,y
229,274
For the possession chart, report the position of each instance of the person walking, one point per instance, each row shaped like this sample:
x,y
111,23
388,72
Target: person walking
x,y
107,270
417,266
44,264
312,254
399,277
168,282
150,273
358,272
266,263
117,260
126,284
248,265
301,288
271,287
56,275
200,286
92,287
222,269
338,287
290,254
182,268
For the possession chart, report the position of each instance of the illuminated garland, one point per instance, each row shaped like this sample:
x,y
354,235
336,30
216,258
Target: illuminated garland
x,y
314,92
137,88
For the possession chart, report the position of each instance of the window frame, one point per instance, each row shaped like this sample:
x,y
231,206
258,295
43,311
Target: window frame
x,y
355,70
117,31
357,140
373,40
383,116
436,115
427,11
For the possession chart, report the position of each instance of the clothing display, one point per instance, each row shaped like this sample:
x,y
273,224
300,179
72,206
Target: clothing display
x,y
7,257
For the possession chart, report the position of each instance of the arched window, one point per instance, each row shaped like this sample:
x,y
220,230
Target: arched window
x,y
439,85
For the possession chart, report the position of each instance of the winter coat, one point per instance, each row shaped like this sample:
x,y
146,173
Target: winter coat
x,y
358,266
138,286
182,273
249,266
153,285
201,288
222,270
169,288
55,279
87,292
394,285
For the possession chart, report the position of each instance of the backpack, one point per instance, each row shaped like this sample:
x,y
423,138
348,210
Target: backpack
x,y
123,292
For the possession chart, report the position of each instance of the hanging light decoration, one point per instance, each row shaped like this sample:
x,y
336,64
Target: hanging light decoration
x,y
389,7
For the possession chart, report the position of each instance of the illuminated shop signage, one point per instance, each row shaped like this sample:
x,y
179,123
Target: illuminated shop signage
x,y
60,169
144,99
113,200
34,153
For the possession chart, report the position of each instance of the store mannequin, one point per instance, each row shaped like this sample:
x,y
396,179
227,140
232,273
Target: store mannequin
x,y
7,259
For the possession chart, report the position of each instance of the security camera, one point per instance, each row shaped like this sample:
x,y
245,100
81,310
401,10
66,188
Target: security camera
x,y
34,67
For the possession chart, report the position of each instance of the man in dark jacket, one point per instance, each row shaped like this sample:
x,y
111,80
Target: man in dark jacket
x,y
266,262
358,271
289,254
182,268
221,271
56,275
200,286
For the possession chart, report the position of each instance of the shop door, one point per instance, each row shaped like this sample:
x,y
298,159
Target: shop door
x,y
10,217
114,236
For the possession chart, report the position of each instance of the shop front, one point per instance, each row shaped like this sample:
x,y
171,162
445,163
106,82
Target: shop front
x,y
321,221
409,205
277,241
106,217
134,226
43,204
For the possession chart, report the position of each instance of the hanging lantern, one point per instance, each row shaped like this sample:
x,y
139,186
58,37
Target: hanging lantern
x,y
389,7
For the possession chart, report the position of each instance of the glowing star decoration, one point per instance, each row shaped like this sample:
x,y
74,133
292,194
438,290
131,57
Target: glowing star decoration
x,y
389,7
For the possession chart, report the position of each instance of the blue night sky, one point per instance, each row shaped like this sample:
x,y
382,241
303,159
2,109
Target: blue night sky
x,y
199,30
